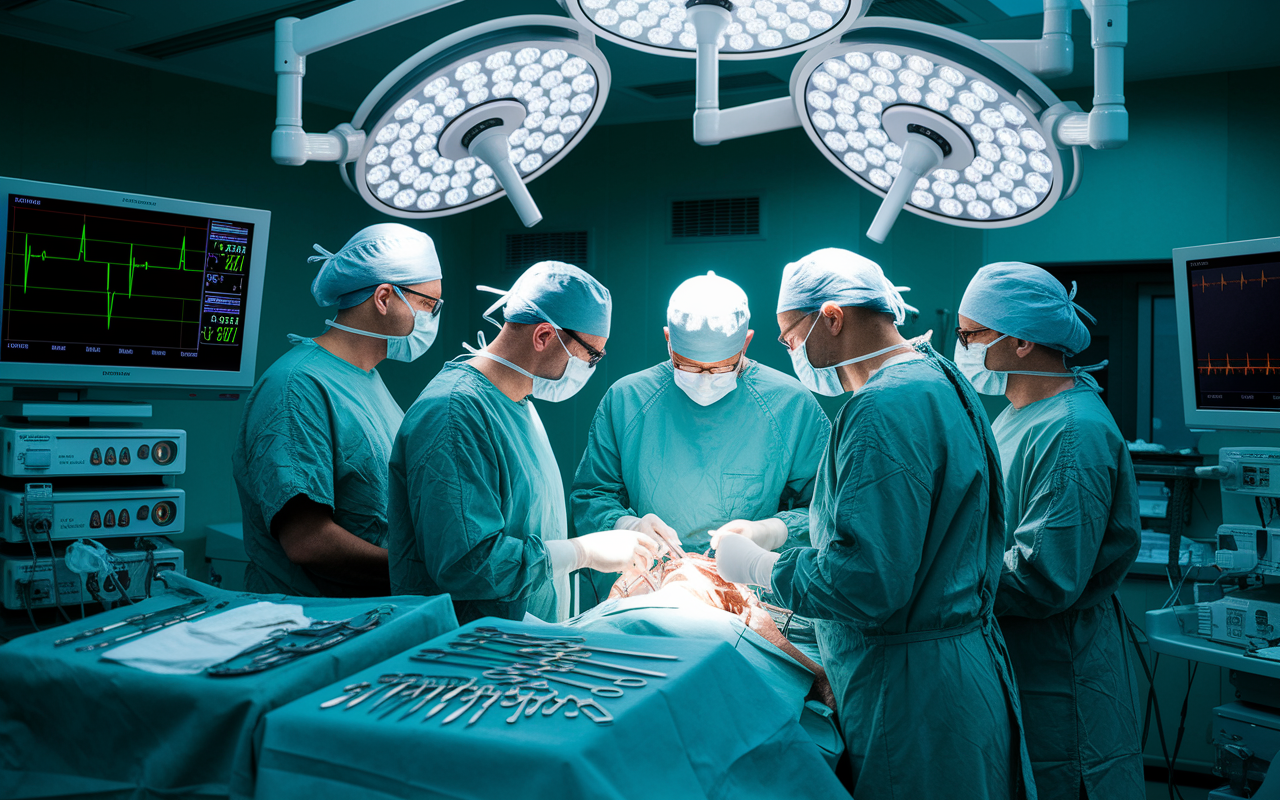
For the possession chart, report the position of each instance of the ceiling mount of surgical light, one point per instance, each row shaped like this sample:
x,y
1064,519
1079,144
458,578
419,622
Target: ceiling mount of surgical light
x,y
467,119
755,28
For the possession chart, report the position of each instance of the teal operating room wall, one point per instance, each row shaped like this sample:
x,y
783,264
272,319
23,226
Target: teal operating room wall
x,y
1183,179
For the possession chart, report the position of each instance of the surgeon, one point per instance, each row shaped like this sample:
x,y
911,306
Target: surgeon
x,y
1072,532
310,461
907,531
477,502
707,439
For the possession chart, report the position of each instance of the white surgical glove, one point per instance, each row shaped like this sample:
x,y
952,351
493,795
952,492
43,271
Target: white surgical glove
x,y
606,551
769,533
740,560
653,526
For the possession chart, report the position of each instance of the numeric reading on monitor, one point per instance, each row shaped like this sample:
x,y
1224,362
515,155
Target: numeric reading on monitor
x,y
1234,330
96,284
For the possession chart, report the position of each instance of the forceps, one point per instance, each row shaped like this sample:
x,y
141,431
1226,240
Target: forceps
x,y
555,663
526,669
562,642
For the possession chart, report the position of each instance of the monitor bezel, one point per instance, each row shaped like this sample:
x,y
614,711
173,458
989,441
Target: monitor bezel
x,y
1203,418
84,376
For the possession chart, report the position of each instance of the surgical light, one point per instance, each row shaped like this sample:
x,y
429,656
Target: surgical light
x,y
755,29
462,122
934,120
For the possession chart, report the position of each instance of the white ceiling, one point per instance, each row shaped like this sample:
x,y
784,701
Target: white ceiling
x,y
1167,38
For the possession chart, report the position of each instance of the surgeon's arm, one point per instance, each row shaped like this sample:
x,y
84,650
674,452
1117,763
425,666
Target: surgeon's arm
x,y
809,440
1056,542
311,539
598,498
867,571
456,506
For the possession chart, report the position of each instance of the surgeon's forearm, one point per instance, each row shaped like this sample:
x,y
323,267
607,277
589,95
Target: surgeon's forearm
x,y
311,539
797,522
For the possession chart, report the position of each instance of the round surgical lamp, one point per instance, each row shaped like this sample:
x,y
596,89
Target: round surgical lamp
x,y
477,115
756,28
932,120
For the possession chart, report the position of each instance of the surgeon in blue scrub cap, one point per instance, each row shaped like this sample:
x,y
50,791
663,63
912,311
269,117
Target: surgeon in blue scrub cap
x,y
310,461
1072,531
477,504
907,530
705,440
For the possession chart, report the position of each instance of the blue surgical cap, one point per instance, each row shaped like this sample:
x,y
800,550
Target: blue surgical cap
x,y
559,293
1025,302
384,253
707,319
845,278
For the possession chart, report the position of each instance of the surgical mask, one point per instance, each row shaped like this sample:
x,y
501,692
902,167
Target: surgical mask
x,y
411,345
576,374
825,380
972,362
705,388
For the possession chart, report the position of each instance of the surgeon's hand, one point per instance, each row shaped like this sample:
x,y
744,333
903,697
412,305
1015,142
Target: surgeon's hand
x,y
616,551
652,525
769,533
740,560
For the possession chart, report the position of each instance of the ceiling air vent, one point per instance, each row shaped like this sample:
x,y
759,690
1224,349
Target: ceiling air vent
x,y
235,30
732,216
923,10
674,90
526,249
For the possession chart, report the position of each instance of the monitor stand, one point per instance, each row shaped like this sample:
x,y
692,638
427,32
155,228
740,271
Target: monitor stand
x,y
68,405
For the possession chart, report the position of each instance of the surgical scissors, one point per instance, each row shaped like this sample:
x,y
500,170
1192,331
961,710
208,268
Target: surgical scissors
x,y
574,642
522,669
558,665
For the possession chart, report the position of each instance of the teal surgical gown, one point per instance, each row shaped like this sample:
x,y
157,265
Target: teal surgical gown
x,y
1072,533
319,426
908,533
750,455
475,491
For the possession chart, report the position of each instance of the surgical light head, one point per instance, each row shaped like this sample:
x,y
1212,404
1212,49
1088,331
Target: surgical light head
x,y
932,120
477,114
752,28
708,319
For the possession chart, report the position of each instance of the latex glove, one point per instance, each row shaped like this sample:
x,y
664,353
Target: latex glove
x,y
740,560
606,551
653,526
769,533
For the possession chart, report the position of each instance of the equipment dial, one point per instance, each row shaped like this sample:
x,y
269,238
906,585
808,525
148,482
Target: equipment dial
x,y
164,452
164,512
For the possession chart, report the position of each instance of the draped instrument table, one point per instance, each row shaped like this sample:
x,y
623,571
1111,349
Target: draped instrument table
x,y
72,725
712,728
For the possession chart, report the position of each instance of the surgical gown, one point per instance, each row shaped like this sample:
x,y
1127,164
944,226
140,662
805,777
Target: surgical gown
x,y
908,532
475,491
314,425
750,455
1073,532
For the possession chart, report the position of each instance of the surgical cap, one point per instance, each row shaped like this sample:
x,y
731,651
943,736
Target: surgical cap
x,y
384,253
845,278
1025,302
559,293
707,318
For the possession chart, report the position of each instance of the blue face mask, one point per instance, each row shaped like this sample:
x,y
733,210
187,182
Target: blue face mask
x,y
411,345
825,380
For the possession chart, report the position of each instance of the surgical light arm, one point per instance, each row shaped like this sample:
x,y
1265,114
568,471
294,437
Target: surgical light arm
x,y
711,125
298,38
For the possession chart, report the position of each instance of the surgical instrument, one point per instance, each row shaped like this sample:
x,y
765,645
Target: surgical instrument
x,y
556,664
576,642
150,629
444,701
133,620
348,692
575,654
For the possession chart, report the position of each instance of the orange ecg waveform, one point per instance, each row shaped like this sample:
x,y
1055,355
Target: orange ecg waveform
x,y
1222,283
1237,366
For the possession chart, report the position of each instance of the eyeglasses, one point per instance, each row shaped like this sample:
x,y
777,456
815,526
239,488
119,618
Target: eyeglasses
x,y
436,302
963,335
725,370
782,337
595,355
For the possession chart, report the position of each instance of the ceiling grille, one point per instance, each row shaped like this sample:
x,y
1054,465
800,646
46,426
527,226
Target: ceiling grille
x,y
526,249
243,28
732,216
923,10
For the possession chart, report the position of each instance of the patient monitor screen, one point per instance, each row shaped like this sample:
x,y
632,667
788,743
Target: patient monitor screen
x,y
88,284
1235,331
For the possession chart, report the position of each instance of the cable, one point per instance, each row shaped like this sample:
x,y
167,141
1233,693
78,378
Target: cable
x,y
1192,669
53,563
1261,517
1153,703
26,603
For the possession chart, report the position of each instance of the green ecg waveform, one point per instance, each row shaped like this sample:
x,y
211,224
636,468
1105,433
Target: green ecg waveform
x,y
81,258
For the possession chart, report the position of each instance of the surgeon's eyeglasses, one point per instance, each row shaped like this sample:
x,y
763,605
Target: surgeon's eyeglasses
x,y
725,370
595,355
963,335
782,337
436,302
